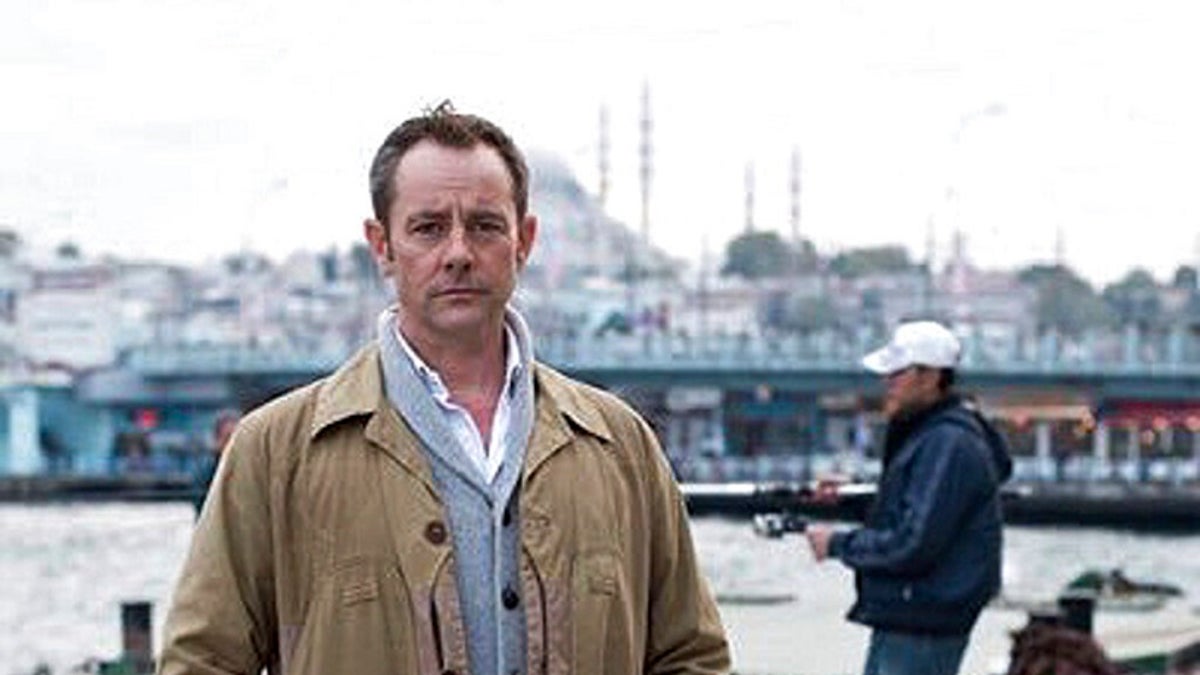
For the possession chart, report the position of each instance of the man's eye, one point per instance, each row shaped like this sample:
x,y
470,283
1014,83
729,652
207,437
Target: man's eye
x,y
426,228
489,226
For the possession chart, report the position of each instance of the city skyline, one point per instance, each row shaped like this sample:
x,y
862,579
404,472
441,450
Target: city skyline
x,y
180,132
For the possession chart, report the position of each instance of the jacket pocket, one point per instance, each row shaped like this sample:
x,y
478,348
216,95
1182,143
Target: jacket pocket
x,y
354,582
359,621
596,583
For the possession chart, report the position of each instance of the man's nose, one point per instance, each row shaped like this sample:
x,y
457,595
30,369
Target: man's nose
x,y
458,253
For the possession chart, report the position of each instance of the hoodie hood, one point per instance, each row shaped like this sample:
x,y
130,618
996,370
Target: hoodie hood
x,y
967,414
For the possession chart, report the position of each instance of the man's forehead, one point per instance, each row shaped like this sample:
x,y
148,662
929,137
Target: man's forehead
x,y
430,160
430,175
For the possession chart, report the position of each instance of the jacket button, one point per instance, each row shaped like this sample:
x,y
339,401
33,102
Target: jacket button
x,y
510,598
435,532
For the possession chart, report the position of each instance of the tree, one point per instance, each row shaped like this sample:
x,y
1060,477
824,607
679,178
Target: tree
x,y
1065,301
806,315
790,313
858,262
10,242
69,250
1185,278
1134,299
759,255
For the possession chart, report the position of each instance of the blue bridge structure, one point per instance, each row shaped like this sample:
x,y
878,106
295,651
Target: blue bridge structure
x,y
727,408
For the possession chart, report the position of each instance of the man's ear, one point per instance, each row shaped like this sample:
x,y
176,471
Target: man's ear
x,y
376,235
526,235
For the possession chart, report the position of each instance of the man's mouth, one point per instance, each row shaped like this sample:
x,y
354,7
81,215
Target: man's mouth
x,y
459,291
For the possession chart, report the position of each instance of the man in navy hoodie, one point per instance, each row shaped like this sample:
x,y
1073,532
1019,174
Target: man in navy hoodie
x,y
927,559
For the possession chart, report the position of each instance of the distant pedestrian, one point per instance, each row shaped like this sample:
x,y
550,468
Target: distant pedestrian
x,y
223,426
927,559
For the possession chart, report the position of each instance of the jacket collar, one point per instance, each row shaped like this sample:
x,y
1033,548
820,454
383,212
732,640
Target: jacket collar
x,y
905,425
560,410
356,388
562,397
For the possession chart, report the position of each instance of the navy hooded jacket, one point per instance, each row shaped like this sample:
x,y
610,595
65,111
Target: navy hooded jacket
x,y
927,559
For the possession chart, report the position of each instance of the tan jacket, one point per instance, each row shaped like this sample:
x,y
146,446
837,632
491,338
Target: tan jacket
x,y
323,548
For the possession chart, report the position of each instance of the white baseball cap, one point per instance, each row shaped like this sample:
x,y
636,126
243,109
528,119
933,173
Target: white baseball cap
x,y
915,343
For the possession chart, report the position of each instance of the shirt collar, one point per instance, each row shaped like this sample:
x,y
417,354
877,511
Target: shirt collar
x,y
434,383
356,388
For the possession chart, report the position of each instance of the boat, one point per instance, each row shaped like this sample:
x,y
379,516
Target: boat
x,y
1111,591
1114,591
1063,636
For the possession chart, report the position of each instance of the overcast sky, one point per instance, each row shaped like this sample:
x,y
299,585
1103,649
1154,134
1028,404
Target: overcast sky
x,y
182,129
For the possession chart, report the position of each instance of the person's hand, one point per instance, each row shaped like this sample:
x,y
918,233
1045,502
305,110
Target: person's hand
x,y
826,491
818,539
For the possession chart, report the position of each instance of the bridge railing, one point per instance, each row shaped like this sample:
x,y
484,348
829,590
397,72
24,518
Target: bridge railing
x,y
825,352
820,352
177,360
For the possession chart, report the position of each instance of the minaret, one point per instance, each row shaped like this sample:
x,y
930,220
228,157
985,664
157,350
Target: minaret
x,y
930,247
794,192
603,149
749,188
1060,247
1196,262
958,262
930,281
958,248
703,285
646,154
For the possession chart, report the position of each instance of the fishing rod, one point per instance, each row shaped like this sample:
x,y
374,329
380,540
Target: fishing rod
x,y
781,508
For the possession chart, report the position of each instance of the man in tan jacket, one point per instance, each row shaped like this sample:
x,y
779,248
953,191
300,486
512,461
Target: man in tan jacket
x,y
443,503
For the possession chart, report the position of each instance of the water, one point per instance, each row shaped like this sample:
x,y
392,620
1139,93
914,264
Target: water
x,y
809,635
67,568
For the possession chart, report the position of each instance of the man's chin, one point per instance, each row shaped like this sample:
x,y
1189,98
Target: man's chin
x,y
890,409
462,320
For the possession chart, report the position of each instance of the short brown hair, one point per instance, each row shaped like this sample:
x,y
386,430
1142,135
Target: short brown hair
x,y
444,126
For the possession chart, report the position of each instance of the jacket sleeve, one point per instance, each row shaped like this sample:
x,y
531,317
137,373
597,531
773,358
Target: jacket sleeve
x,y
685,632
944,482
221,618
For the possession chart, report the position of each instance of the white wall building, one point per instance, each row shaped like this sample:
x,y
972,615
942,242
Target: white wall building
x,y
68,315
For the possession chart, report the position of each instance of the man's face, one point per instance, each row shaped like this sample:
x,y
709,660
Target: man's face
x,y
452,244
909,389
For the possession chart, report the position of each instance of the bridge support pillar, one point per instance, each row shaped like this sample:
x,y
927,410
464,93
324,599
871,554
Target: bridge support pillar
x,y
1196,451
1043,450
24,450
1100,450
1134,452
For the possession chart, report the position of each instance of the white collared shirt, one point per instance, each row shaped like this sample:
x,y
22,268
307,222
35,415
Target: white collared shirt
x,y
486,458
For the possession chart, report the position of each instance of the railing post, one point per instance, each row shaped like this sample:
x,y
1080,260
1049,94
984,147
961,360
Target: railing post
x,y
137,648
1078,608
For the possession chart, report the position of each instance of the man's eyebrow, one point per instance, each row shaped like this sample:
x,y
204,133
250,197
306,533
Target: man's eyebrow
x,y
486,211
426,214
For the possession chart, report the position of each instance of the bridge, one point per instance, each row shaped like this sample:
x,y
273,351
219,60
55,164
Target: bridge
x,y
659,362
725,406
